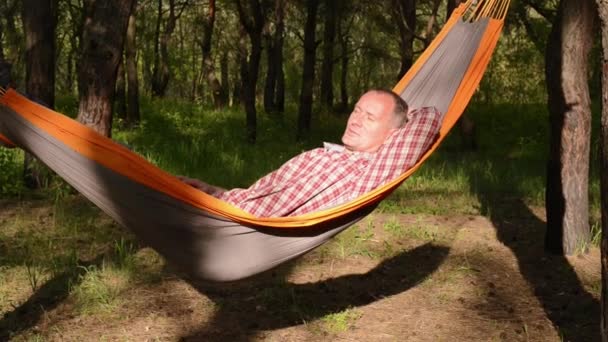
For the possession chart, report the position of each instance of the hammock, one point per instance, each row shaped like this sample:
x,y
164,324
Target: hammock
x,y
210,239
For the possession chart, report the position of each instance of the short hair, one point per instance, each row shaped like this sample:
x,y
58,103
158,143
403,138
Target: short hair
x,y
400,109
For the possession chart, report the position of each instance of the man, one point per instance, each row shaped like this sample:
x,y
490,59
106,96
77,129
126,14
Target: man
x,y
375,151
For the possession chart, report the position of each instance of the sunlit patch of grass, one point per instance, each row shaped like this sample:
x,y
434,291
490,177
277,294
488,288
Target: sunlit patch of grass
x,y
393,227
341,321
100,288
357,240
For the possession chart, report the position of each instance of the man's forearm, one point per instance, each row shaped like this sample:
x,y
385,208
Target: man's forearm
x,y
212,190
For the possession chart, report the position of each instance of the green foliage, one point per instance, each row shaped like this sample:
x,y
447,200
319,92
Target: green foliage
x,y
11,161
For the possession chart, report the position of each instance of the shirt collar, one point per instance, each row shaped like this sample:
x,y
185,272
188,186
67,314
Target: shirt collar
x,y
331,147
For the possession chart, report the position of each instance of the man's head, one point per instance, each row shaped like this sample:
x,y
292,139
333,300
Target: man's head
x,y
377,114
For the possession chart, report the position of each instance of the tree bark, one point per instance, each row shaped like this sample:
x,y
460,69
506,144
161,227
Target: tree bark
x,y
103,38
253,25
570,116
131,65
602,6
121,92
274,53
208,67
162,73
39,23
451,6
308,74
404,14
224,76
279,39
327,68
343,40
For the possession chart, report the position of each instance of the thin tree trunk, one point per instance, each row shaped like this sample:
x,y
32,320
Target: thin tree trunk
x,y
249,71
274,75
207,67
162,72
404,13
121,92
224,76
327,68
271,73
131,64
279,38
343,40
308,74
103,38
39,23
570,116
428,35
156,62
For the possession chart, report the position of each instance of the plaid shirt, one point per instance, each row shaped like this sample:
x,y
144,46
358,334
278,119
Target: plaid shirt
x,y
329,176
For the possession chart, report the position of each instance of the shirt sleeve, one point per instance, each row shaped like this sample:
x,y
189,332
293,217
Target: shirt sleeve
x,y
261,186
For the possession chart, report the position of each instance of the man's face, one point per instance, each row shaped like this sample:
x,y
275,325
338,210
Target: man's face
x,y
370,123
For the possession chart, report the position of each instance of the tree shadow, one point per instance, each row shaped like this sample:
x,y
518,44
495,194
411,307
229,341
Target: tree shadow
x,y
573,311
270,302
46,298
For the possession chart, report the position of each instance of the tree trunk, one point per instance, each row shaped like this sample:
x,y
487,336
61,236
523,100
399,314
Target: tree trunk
x,y
430,25
156,63
570,115
274,53
279,38
208,67
253,25
327,68
308,74
271,74
131,64
603,15
161,71
160,79
404,13
39,22
452,4
343,40
103,38
121,92
224,75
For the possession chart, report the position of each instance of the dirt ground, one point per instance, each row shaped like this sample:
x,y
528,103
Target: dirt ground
x,y
391,278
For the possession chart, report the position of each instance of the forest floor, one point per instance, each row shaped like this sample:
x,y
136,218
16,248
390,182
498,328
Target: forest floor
x,y
392,277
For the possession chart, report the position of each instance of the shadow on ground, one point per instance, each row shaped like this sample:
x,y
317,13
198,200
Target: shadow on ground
x,y
573,311
263,304
46,298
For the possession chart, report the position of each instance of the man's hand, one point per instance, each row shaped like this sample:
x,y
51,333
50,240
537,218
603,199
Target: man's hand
x,y
195,183
208,188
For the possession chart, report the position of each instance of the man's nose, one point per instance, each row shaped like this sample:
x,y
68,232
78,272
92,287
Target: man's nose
x,y
355,119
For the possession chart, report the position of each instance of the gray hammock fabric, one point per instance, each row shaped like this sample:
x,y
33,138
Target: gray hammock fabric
x,y
204,245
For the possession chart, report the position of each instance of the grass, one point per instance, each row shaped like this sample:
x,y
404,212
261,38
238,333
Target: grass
x,y
341,321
